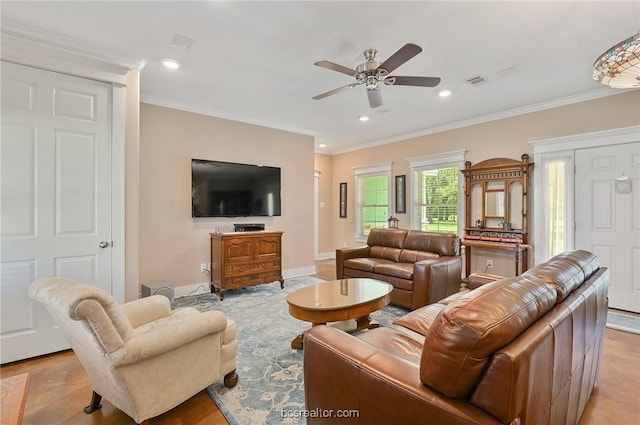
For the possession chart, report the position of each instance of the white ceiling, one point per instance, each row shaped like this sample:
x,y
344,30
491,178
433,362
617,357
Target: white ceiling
x,y
254,61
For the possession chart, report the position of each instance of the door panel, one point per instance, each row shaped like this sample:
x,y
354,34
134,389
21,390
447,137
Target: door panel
x,y
607,220
75,189
56,197
18,188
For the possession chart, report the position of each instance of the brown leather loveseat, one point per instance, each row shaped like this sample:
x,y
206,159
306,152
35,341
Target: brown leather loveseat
x,y
423,267
522,350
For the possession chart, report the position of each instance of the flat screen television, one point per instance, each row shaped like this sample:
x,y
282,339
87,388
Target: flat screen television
x,y
227,189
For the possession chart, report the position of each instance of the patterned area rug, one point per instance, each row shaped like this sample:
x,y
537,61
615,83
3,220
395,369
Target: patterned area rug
x,y
270,389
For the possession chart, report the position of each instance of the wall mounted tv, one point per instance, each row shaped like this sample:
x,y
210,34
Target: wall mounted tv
x,y
227,189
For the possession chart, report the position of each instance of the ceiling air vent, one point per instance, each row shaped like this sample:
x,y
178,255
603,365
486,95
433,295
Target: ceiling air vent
x,y
476,81
181,42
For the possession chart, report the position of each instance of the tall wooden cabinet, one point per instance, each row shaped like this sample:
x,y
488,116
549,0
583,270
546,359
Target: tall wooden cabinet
x,y
496,208
242,259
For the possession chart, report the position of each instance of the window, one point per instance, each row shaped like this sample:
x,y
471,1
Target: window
x,y
436,203
372,198
554,227
556,206
436,187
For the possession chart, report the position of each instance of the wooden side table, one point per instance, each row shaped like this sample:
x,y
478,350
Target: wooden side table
x,y
14,396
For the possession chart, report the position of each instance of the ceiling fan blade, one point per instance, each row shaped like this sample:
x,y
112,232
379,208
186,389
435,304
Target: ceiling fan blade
x,y
412,81
405,53
335,67
375,97
334,91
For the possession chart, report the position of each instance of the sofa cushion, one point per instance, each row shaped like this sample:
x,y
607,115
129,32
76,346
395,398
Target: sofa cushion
x,y
470,329
585,259
388,253
413,256
438,243
421,319
365,264
401,270
393,238
563,272
397,340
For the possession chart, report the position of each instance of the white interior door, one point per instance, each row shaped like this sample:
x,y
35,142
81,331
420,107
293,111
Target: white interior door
x,y
55,183
608,216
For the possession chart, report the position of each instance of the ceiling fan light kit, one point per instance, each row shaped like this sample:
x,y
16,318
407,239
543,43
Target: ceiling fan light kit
x,y
371,73
619,67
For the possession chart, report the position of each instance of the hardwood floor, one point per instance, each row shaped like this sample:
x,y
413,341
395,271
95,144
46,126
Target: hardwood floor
x,y
59,388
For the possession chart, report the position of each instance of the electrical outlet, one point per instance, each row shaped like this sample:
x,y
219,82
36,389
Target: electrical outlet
x,y
489,263
204,267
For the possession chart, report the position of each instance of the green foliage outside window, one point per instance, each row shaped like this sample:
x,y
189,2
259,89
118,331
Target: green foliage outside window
x,y
437,201
375,202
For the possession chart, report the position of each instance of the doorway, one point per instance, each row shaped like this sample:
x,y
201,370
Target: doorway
x,y
607,198
56,205
601,200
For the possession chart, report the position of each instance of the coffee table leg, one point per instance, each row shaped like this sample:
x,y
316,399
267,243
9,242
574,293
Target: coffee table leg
x,y
364,322
298,342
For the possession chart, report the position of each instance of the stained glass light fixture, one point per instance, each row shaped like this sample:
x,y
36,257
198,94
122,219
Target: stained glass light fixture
x,y
619,67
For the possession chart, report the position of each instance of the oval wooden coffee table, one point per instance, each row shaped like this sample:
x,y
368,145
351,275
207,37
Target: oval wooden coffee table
x,y
340,301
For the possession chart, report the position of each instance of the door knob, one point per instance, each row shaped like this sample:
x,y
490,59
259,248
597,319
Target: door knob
x,y
103,244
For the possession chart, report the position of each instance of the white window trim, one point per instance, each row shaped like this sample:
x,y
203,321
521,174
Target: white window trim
x,y
381,168
453,159
546,149
541,220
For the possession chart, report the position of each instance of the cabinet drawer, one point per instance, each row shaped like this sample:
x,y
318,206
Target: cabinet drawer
x,y
251,279
234,269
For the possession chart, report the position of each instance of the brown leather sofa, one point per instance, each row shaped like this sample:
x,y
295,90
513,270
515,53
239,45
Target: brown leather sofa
x,y
522,350
423,267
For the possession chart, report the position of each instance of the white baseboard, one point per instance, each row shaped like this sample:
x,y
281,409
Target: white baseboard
x,y
302,271
325,255
196,288
201,288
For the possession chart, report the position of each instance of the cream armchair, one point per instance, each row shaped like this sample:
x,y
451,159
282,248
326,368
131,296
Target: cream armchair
x,y
141,356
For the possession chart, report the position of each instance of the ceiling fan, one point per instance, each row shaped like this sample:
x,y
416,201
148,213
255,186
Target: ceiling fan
x,y
371,73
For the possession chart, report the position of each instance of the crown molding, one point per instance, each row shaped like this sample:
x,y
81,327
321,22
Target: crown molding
x,y
74,45
33,47
168,103
541,106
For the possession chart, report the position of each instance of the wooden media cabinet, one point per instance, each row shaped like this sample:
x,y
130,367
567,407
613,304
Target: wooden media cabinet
x,y
242,259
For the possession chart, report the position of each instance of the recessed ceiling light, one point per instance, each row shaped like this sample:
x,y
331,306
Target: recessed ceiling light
x,y
363,118
322,145
444,93
171,63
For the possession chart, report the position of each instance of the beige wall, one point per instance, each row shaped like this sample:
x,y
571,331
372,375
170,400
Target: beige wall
x,y
172,244
507,138
327,205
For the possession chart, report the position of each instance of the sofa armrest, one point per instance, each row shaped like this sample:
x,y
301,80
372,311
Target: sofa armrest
x,y
167,334
435,279
476,280
343,373
344,254
145,310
